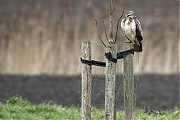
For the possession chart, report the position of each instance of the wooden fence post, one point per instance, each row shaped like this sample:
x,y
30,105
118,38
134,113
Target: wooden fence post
x,y
128,83
86,81
110,110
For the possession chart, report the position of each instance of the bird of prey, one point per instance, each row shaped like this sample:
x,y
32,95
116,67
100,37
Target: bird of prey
x,y
131,27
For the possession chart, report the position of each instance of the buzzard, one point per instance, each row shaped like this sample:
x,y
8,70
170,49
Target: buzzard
x,y
131,27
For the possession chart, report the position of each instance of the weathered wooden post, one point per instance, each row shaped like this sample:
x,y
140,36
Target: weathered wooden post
x,y
128,83
110,109
86,81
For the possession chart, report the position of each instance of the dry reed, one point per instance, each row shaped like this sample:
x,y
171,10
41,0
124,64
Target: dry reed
x,y
35,40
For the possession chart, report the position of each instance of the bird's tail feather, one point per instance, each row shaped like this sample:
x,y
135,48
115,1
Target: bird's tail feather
x,y
138,47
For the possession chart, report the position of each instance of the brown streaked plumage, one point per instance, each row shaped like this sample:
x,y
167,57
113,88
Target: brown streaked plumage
x,y
131,27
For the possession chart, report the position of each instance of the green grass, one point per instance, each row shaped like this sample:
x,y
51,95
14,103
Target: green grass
x,y
21,109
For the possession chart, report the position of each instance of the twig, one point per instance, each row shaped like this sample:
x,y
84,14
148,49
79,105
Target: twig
x,y
105,31
118,101
97,96
112,10
118,25
99,35
117,88
119,95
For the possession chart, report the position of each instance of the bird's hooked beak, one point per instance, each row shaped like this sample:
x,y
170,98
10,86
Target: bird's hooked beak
x,y
127,15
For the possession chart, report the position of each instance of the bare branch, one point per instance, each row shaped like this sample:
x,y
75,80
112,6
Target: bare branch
x,y
118,25
110,23
118,101
119,96
105,31
117,88
113,10
99,35
97,96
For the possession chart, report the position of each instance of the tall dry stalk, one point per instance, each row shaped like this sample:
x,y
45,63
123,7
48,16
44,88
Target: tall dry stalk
x,y
44,39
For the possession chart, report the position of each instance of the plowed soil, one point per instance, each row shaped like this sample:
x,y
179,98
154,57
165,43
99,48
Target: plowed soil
x,y
154,91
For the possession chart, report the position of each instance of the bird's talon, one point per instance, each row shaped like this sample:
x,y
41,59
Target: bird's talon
x,y
128,41
133,42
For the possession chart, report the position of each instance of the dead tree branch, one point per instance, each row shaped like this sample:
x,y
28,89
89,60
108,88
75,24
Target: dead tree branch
x,y
117,88
117,28
99,35
118,101
105,31
110,23
97,96
113,10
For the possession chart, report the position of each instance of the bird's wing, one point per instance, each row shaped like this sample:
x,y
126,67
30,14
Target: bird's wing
x,y
139,32
122,25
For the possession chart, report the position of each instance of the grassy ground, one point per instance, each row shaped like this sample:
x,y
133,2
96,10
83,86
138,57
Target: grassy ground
x,y
18,108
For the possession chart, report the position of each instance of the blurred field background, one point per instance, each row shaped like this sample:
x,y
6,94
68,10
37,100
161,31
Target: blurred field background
x,y
44,36
40,42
